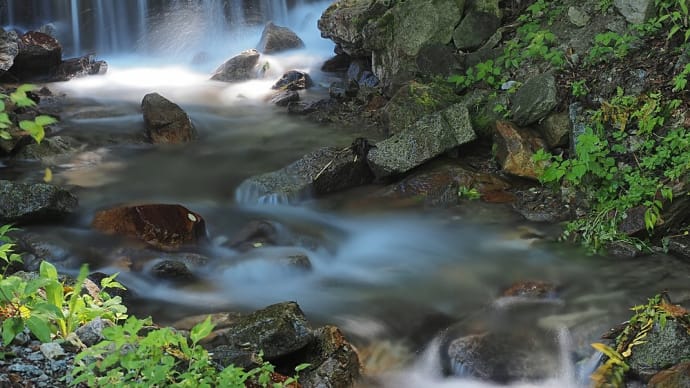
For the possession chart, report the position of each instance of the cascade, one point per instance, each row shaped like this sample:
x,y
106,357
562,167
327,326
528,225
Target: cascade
x,y
74,10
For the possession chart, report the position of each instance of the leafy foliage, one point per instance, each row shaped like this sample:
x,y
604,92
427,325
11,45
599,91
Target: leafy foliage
x,y
36,127
162,357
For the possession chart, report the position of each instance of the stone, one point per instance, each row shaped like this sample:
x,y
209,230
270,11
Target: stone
x,y
49,149
162,226
92,332
23,202
413,101
275,39
475,28
664,347
577,16
80,67
503,357
333,361
336,64
635,11
439,60
531,289
294,80
324,171
514,149
534,100
676,376
634,221
679,246
52,350
256,232
555,129
9,48
172,270
242,67
344,20
165,121
38,58
278,330
428,138
284,97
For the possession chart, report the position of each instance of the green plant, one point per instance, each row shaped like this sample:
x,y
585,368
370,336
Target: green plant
x,y
7,248
468,193
579,88
621,162
609,45
163,357
36,127
605,5
675,13
681,80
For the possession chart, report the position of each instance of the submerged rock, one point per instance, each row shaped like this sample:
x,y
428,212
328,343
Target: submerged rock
x,y
163,226
321,172
242,67
165,121
275,38
284,97
23,203
294,80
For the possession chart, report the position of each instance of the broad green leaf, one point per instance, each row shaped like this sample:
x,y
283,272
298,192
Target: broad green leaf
x,y
5,135
39,328
201,330
10,328
36,131
26,88
48,271
45,120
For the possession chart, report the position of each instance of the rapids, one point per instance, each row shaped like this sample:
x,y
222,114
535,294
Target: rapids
x,y
385,275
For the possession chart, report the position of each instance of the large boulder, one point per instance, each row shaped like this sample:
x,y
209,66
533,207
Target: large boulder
x,y
276,38
333,361
677,376
391,33
165,121
39,57
481,20
81,67
665,346
241,67
426,139
414,101
9,48
162,226
324,171
635,11
23,203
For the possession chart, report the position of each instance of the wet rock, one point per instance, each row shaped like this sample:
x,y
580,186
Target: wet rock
x,y
225,355
481,20
165,121
634,222
514,149
503,357
294,80
531,289
300,261
540,205
663,347
321,172
276,38
256,232
555,129
39,247
172,270
343,22
578,16
242,67
635,11
81,67
9,48
38,58
24,203
679,246
92,332
49,149
676,376
278,330
414,101
439,60
336,64
284,97
334,361
343,91
534,100
52,350
162,226
426,139
622,250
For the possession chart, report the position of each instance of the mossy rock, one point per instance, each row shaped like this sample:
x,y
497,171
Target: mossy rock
x,y
414,101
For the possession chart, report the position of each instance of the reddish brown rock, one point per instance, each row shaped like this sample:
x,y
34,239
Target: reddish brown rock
x,y
676,376
515,147
531,289
166,227
39,57
165,121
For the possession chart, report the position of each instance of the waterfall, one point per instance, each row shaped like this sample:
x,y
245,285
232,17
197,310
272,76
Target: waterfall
x,y
117,26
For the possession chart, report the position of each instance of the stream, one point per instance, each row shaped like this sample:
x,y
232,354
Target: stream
x,y
394,279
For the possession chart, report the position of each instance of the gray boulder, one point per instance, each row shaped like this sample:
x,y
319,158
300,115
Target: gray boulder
x,y
426,139
481,20
344,21
242,67
413,101
663,347
635,11
23,202
321,172
534,100
275,38
333,361
9,49
165,121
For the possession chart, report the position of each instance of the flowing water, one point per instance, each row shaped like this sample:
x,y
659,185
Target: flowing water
x,y
392,278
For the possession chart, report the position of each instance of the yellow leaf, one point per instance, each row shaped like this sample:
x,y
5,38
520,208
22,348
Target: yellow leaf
x,y
47,176
24,312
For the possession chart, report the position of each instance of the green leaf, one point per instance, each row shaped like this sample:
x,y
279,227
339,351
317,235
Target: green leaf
x,y
10,328
5,135
39,328
201,330
26,88
48,271
45,120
